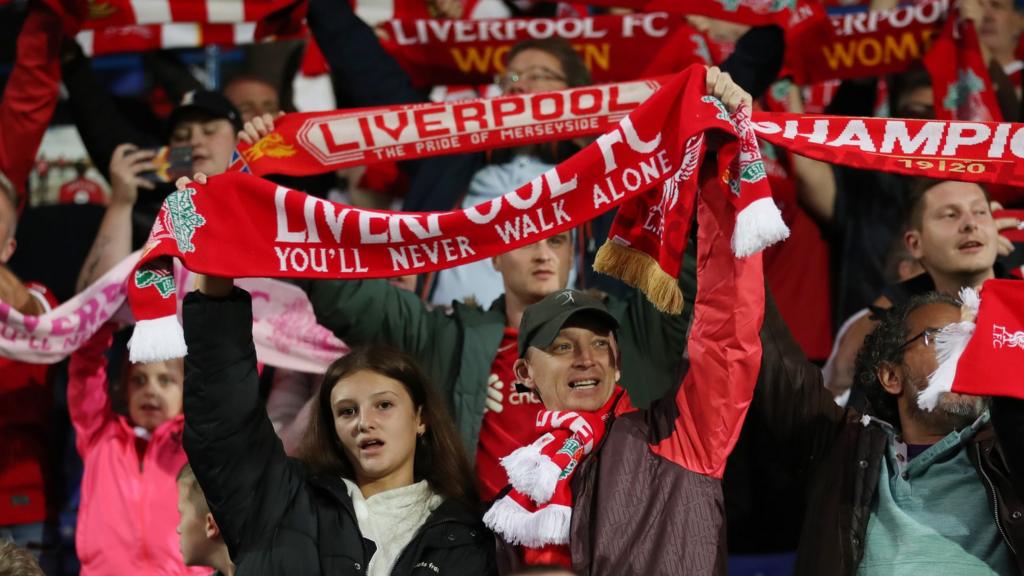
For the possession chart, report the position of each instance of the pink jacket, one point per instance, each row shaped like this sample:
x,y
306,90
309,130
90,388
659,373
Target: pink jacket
x,y
128,515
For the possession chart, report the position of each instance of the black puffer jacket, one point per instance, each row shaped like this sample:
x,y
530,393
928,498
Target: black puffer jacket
x,y
275,517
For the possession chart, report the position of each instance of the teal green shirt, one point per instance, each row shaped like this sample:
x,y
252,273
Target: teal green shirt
x,y
932,515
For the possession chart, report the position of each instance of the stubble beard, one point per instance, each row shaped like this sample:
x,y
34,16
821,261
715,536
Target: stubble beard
x,y
953,411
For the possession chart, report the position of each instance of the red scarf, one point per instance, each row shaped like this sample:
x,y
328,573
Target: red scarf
x,y
240,226
315,142
860,44
146,37
983,354
119,14
960,80
537,511
311,143
435,51
752,12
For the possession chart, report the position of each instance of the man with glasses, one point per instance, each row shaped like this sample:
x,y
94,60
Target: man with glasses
x,y
367,76
892,488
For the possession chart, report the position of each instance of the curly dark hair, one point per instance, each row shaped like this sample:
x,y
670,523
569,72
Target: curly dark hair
x,y
884,345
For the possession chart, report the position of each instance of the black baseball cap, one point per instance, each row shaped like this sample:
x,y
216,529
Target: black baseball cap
x,y
212,104
543,320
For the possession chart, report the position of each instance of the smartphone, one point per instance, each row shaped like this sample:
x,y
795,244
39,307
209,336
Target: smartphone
x,y
171,164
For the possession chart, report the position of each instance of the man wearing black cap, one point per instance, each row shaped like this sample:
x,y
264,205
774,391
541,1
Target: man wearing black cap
x,y
573,337
203,134
608,488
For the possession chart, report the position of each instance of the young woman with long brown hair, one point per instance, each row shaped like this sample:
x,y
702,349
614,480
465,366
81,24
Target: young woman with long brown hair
x,y
381,485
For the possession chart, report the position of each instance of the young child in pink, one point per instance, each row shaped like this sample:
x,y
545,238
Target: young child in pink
x,y
128,515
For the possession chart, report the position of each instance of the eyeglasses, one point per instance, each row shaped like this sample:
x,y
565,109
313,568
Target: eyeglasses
x,y
530,76
928,334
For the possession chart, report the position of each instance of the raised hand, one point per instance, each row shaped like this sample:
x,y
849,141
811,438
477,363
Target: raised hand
x,y
721,86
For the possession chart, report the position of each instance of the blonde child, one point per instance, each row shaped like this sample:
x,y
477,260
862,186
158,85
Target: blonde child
x,y
201,541
128,514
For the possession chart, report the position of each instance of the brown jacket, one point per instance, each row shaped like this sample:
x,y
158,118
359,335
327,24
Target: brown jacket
x,y
636,511
648,499
842,457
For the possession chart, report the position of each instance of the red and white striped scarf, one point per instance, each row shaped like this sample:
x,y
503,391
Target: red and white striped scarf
x,y
537,511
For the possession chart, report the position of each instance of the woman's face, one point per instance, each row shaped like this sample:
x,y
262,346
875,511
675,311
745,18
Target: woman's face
x,y
377,423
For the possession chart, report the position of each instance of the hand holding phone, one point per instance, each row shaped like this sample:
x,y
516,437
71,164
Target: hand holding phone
x,y
127,167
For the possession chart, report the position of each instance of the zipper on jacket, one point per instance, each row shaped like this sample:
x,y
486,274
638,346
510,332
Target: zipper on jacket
x,y
995,499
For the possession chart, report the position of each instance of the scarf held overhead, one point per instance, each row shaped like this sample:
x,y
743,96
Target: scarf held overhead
x,y
316,142
312,142
612,47
285,330
239,226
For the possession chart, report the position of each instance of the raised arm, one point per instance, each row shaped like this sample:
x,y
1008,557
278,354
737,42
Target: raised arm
x,y
662,336
791,404
113,242
97,118
374,312
17,295
88,398
230,442
757,59
31,94
815,180
368,75
698,423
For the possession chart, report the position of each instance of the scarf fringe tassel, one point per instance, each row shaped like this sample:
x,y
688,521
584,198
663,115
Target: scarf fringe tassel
x,y
758,226
518,526
157,340
949,346
639,270
532,473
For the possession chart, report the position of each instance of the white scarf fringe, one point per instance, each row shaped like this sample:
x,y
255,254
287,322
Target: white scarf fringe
x,y
532,473
950,344
518,526
758,226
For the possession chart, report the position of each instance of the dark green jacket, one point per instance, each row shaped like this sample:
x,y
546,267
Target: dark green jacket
x,y
458,347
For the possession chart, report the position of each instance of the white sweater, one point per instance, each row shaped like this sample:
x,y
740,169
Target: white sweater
x,y
390,519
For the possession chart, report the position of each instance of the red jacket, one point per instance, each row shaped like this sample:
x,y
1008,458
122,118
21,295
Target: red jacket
x,y
30,96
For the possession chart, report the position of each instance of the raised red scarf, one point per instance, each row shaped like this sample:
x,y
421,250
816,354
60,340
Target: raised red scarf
x,y
311,143
861,44
960,80
314,142
983,354
752,12
146,37
240,226
117,14
613,47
